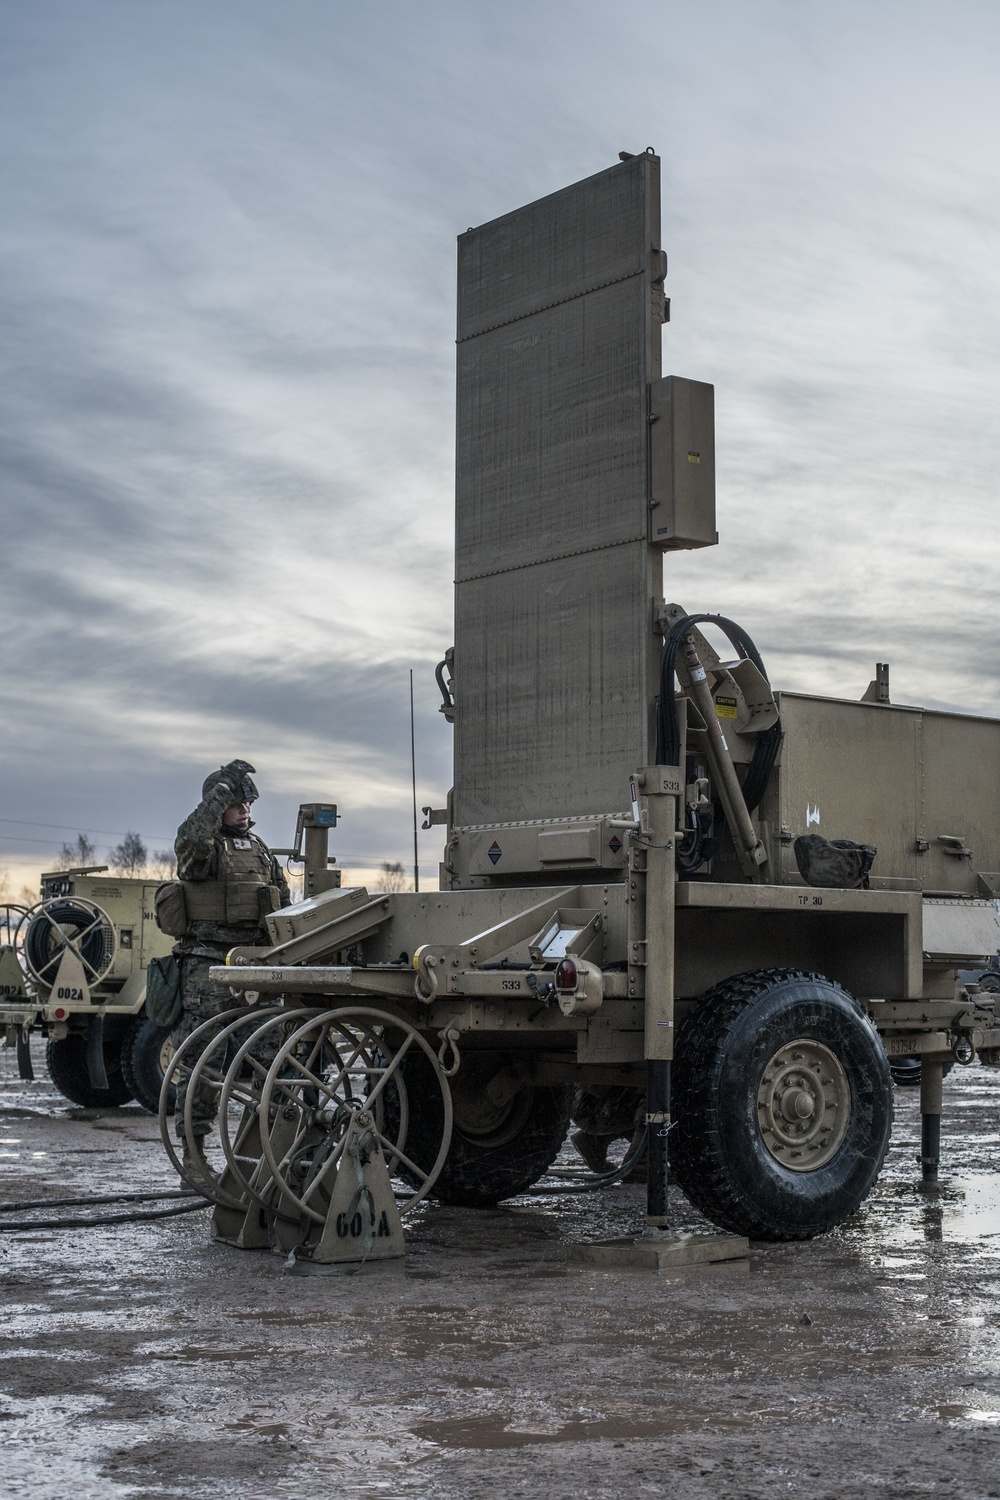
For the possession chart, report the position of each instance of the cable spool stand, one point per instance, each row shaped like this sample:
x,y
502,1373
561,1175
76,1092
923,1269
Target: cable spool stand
x,y
311,1116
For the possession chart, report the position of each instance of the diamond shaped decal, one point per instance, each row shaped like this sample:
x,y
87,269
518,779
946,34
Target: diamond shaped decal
x,y
494,851
614,843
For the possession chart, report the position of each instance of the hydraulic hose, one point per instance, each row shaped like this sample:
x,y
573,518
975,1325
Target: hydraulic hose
x,y
448,700
668,740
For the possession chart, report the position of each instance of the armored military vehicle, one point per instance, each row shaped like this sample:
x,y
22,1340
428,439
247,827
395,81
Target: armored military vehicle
x,y
83,951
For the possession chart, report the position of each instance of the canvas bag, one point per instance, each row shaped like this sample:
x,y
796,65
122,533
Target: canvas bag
x,y
164,1001
170,908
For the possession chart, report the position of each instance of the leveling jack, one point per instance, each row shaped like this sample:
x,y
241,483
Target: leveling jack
x,y
659,1247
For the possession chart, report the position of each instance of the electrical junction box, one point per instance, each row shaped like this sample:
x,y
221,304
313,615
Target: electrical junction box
x,y
682,464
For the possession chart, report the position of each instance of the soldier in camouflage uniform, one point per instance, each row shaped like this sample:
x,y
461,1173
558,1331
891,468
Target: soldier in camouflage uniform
x,y
231,882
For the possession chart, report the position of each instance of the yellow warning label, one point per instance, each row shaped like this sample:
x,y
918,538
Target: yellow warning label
x,y
694,458
725,708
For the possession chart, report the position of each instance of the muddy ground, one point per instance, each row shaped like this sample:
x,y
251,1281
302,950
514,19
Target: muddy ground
x,y
142,1360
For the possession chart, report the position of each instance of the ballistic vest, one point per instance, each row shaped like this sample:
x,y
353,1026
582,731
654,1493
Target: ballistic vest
x,y
242,891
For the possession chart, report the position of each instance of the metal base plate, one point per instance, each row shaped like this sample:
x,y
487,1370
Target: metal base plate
x,y
659,1252
293,1267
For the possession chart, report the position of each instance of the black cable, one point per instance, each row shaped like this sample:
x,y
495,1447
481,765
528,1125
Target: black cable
x,y
156,1213
692,848
602,1179
13,1208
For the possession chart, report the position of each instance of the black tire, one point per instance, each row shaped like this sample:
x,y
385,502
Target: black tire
x,y
724,1096
66,1060
905,1071
142,1062
497,1151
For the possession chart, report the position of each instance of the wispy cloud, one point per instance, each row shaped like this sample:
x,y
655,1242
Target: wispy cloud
x,y
226,360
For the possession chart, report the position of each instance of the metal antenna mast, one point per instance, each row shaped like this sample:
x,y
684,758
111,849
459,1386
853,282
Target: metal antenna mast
x,y
413,774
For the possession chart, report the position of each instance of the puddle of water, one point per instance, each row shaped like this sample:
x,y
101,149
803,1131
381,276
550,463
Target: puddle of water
x,y
948,1413
958,1210
49,1454
488,1432
195,1353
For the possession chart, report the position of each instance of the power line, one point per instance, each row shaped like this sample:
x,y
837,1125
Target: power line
x,y
114,833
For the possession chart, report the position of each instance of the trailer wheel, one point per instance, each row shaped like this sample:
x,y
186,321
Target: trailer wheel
x,y
66,1060
145,1059
783,1104
505,1134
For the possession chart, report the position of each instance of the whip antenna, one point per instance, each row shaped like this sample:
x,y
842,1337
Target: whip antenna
x,y
413,775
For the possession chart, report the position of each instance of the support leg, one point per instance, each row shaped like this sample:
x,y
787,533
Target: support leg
x,y
658,1125
931,1076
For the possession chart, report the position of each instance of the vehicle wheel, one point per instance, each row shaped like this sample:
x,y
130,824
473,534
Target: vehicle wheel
x,y
906,1071
505,1135
67,1064
145,1058
783,1105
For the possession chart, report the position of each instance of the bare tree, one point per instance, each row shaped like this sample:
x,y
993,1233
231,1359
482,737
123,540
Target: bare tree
x,y
162,865
391,878
24,897
128,857
78,855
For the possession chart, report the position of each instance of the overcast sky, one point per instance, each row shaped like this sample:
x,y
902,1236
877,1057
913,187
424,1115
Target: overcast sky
x,y
226,407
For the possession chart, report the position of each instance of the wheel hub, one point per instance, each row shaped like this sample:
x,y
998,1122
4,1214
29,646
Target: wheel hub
x,y
803,1105
489,1109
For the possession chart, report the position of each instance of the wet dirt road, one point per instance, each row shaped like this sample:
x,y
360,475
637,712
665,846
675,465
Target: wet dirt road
x,y
142,1360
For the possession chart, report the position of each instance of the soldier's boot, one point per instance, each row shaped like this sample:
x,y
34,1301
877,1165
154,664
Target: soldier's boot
x,y
593,1149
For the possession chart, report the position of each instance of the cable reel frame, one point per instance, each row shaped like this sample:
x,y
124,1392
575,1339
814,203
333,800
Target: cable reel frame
x,y
97,925
281,1084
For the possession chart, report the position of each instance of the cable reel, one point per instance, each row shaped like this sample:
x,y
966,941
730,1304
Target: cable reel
x,y
11,965
294,1124
67,942
210,1044
11,915
339,1073
231,1071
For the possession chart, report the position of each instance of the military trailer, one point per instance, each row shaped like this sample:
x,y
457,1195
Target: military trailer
x,y
82,953
659,873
